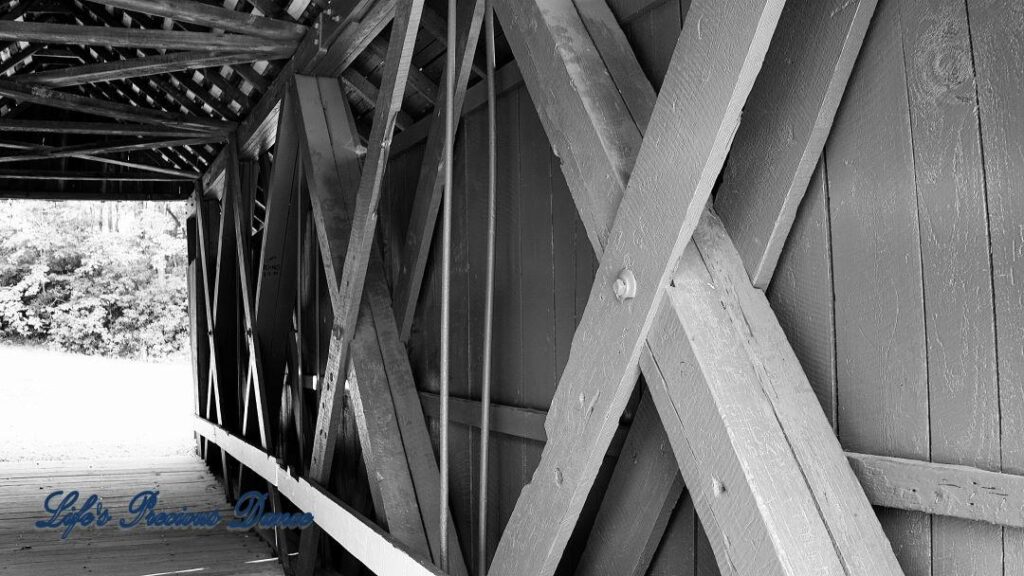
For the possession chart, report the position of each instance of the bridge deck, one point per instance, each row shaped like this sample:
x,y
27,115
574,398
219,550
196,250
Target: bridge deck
x,y
183,481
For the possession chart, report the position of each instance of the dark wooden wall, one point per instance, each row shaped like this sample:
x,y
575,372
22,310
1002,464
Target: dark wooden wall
x,y
901,287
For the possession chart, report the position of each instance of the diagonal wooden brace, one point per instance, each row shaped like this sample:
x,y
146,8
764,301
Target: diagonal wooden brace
x,y
807,526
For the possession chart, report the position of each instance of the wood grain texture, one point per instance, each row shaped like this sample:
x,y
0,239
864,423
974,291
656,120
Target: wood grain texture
x,y
641,496
998,49
973,498
784,127
275,283
963,394
879,315
801,293
603,362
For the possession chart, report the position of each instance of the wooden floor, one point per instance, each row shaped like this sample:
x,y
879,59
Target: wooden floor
x,y
110,551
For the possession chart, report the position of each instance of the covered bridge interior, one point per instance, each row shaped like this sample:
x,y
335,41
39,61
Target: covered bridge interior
x,y
754,303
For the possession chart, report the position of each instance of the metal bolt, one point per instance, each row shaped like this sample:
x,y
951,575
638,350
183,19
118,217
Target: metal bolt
x,y
624,286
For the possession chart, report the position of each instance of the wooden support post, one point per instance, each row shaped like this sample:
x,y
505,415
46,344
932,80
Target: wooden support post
x,y
587,124
197,317
347,228
394,435
211,280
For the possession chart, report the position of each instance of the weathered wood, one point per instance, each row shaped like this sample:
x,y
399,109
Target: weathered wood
x,y
430,185
785,126
380,437
963,394
378,551
640,497
801,293
1000,86
774,85
136,38
212,17
882,376
358,224
828,477
275,284
146,66
943,489
960,492
106,148
331,161
690,143
98,128
56,99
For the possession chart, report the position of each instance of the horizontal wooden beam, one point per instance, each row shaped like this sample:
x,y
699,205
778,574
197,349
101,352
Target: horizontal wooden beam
x,y
941,489
136,38
899,483
49,97
377,550
106,148
213,17
91,176
148,66
98,128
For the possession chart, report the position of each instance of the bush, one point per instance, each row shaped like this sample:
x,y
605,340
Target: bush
x,y
94,278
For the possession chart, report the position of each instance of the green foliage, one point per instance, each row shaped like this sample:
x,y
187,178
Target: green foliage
x,y
94,278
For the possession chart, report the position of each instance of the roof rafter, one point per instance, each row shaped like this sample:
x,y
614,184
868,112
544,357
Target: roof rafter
x,y
136,38
212,17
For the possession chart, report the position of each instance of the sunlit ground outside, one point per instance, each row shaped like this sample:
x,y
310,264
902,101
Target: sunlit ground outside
x,y
93,331
62,406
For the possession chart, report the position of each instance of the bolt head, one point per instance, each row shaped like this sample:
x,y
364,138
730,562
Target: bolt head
x,y
624,286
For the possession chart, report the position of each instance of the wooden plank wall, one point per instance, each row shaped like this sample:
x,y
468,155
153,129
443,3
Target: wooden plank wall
x,y
900,288
887,289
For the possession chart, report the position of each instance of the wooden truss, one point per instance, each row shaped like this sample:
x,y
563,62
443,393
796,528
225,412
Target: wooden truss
x,y
726,412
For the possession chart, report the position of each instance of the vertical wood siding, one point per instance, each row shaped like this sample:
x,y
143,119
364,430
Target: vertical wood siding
x,y
901,287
